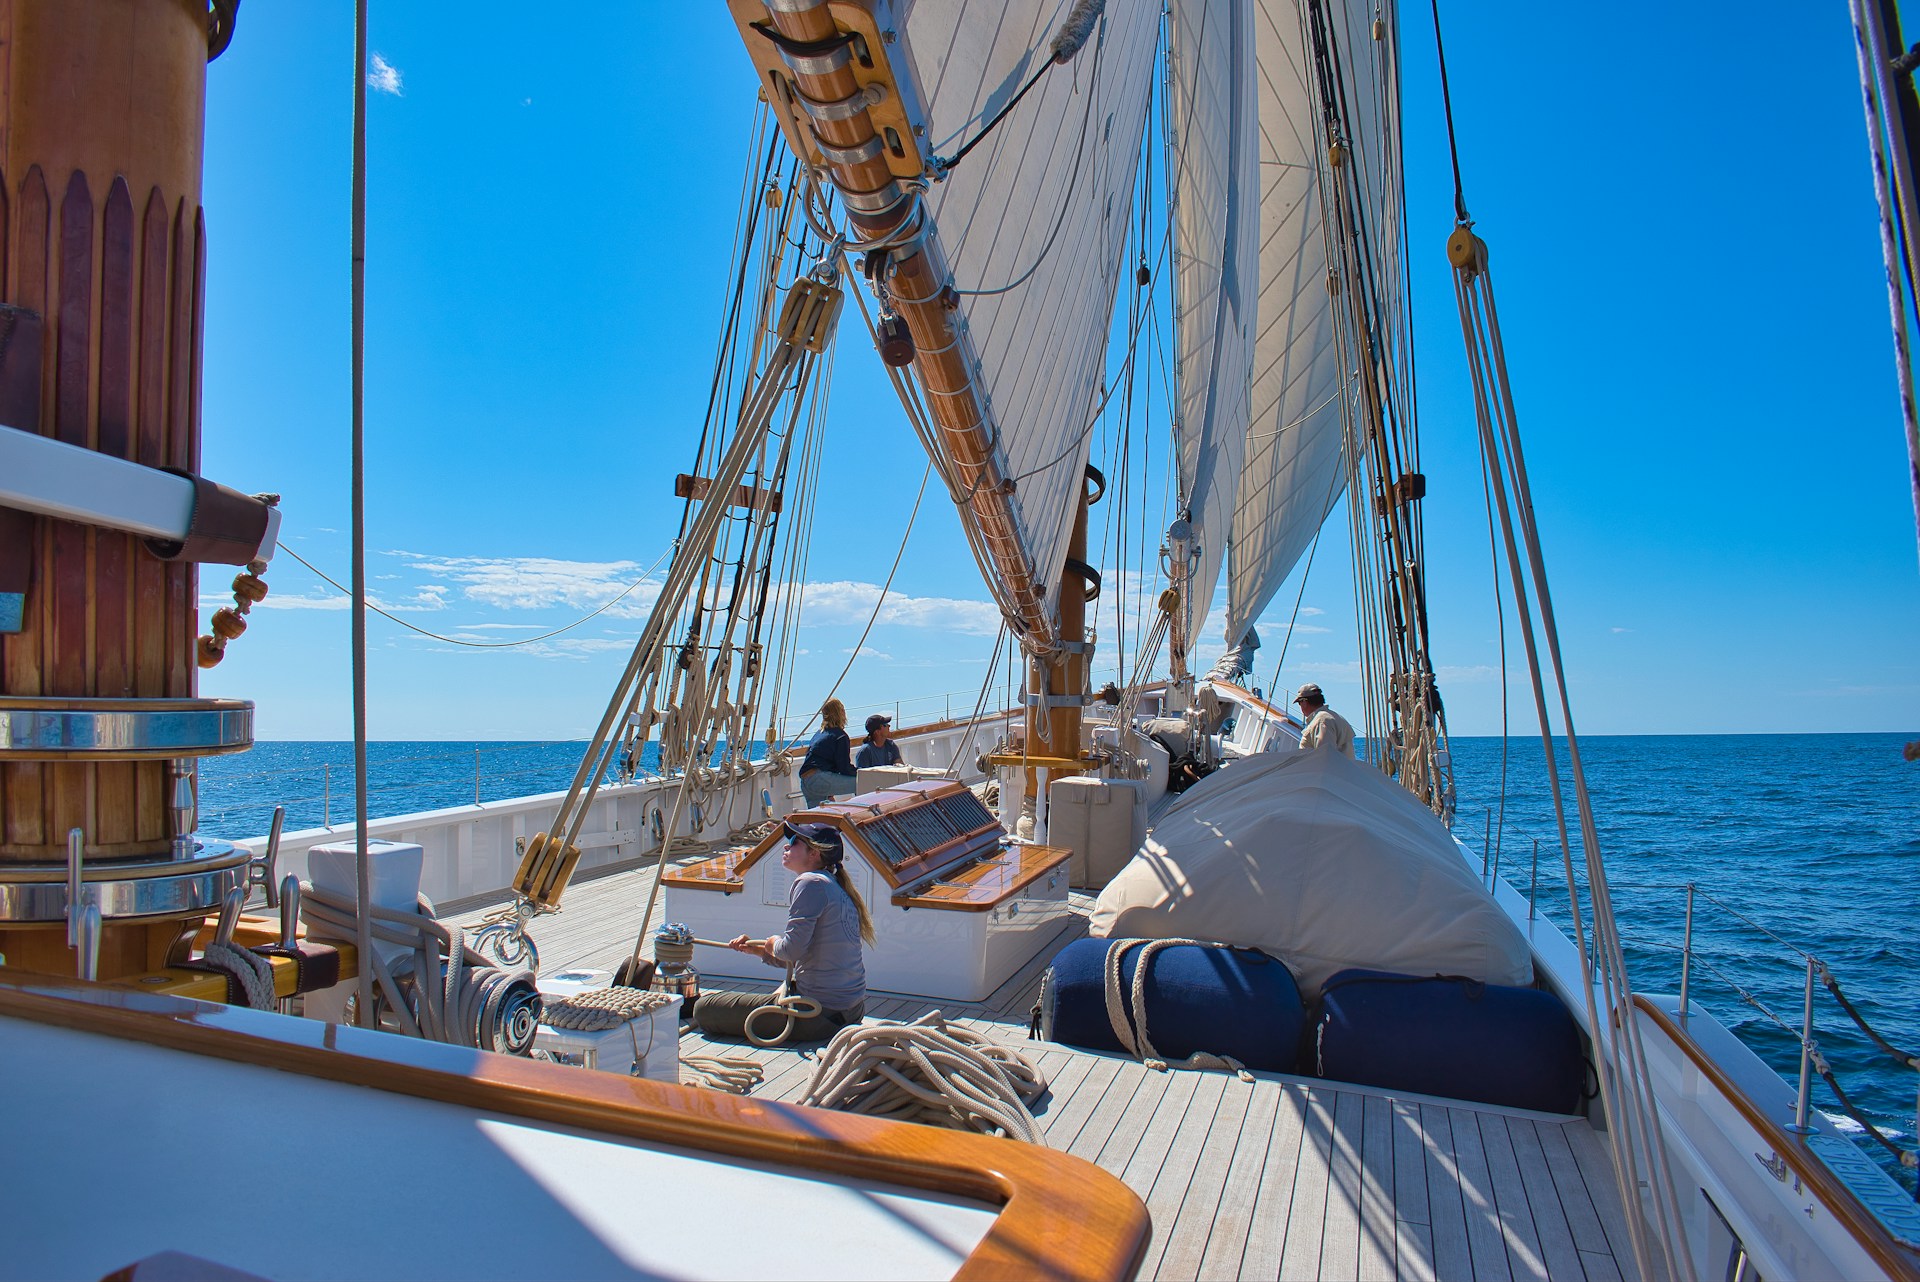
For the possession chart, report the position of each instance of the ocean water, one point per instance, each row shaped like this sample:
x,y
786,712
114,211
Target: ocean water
x,y
1803,842
1814,839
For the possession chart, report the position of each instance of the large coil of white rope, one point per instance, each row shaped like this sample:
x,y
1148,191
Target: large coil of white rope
x,y
931,1072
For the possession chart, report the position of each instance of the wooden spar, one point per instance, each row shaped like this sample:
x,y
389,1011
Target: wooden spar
x,y
1066,667
802,49
102,104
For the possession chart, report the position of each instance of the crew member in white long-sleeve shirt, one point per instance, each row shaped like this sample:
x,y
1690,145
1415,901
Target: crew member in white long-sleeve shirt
x,y
1324,728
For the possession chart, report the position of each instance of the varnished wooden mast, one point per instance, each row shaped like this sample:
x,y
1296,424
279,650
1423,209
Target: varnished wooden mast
x,y
102,106
819,63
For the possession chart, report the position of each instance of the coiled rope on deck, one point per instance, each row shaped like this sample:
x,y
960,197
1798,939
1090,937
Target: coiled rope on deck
x,y
1133,1035
931,1072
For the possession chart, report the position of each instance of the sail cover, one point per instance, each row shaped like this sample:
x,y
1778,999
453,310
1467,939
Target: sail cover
x,y
1322,861
1213,153
1294,471
1033,222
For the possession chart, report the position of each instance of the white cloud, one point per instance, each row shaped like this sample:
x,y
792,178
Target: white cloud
x,y
533,582
868,652
281,601
383,76
574,647
843,602
1618,631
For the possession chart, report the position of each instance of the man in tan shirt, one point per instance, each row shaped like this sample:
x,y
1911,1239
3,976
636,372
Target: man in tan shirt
x,y
1325,728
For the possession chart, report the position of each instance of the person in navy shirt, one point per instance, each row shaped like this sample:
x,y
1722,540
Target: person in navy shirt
x,y
827,770
879,749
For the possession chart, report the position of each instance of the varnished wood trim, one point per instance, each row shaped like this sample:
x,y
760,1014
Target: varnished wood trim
x,y
1241,694
1861,1224
799,750
202,985
1036,862
1061,1217
720,872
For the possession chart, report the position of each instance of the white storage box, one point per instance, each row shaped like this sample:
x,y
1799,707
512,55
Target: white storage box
x,y
393,879
652,1041
1103,821
571,983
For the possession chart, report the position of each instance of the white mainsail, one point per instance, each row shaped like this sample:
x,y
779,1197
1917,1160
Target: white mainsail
x,y
1213,154
1033,223
1302,377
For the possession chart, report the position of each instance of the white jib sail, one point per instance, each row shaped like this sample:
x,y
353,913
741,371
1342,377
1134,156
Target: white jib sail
x,y
1213,154
1294,471
1033,222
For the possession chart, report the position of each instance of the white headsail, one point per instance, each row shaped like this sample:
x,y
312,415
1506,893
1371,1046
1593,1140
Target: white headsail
x,y
1303,372
1213,150
1033,223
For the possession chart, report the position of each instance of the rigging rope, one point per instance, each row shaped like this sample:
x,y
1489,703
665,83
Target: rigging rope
x,y
1073,34
451,993
1895,235
932,1072
885,588
362,876
1638,1140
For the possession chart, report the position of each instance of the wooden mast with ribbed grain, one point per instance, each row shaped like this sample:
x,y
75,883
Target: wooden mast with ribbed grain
x,y
102,105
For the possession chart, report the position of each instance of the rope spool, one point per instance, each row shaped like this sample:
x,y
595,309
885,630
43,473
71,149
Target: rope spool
x,y
452,994
931,1072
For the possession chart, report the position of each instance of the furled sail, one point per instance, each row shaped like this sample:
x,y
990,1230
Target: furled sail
x,y
1033,222
1303,369
1213,154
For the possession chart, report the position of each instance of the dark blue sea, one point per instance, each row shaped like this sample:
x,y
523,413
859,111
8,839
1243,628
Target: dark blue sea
x,y
1814,838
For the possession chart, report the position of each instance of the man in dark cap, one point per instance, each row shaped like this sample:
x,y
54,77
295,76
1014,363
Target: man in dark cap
x,y
879,749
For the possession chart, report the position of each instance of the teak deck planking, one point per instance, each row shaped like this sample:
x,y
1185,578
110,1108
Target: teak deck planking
x,y
1282,1177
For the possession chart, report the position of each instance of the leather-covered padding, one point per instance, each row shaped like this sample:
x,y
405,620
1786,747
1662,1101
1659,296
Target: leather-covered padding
x,y
226,528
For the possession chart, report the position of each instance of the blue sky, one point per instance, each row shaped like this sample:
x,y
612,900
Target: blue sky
x,y
1684,251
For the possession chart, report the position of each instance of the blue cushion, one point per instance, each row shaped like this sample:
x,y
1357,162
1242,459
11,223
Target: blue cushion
x,y
1451,1037
1237,1002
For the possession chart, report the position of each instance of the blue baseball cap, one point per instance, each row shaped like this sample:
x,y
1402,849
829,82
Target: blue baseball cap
x,y
824,838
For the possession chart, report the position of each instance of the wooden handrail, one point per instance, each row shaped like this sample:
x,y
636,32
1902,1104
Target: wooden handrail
x,y
1061,1217
1863,1225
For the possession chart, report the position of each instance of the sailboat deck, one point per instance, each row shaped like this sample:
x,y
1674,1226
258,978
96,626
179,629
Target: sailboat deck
x,y
1283,1177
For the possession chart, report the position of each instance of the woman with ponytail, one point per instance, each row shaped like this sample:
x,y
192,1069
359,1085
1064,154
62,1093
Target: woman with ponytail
x,y
827,924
